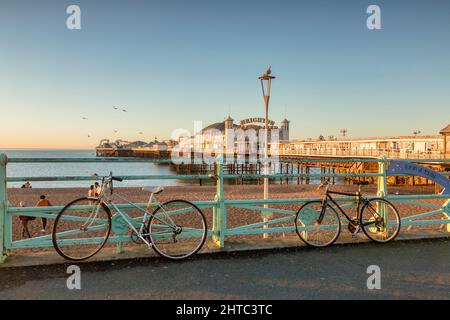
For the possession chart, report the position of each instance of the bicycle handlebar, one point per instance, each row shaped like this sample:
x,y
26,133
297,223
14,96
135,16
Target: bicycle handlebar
x,y
323,184
110,177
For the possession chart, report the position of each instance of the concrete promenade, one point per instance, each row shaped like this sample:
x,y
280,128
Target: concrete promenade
x,y
417,269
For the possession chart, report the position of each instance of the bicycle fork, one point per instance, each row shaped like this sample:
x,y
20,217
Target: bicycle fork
x,y
323,209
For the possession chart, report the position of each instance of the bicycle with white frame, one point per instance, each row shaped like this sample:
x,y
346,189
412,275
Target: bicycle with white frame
x,y
175,229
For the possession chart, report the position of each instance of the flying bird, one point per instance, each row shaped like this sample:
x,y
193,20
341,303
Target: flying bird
x,y
124,110
115,108
89,135
84,118
140,132
115,131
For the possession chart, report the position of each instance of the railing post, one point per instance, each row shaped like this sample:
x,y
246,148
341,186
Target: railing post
x,y
446,212
3,206
382,180
382,186
219,210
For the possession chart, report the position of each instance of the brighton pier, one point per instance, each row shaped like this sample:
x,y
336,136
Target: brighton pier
x,y
295,156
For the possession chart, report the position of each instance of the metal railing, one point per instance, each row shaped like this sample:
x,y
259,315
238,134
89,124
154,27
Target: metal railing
x,y
220,204
358,152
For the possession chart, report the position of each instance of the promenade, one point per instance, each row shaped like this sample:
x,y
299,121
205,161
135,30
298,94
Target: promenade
x,y
338,272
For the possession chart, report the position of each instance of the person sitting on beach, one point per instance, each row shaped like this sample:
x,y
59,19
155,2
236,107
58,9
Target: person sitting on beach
x,y
26,185
43,202
92,192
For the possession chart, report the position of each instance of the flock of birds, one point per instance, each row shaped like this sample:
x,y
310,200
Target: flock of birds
x,y
266,73
115,130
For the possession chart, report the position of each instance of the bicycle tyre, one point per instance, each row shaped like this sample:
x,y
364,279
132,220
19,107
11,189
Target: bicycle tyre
x,y
303,210
159,248
366,228
59,225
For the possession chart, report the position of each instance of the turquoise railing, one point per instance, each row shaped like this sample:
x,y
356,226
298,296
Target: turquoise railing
x,y
220,204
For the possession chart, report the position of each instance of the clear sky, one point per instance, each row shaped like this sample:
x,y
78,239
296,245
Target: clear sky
x,y
170,63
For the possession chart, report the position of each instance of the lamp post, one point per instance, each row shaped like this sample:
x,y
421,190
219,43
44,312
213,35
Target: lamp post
x,y
266,81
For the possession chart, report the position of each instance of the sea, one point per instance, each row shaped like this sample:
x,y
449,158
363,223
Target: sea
x,y
82,169
102,169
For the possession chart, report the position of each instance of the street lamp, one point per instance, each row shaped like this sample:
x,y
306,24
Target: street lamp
x,y
266,81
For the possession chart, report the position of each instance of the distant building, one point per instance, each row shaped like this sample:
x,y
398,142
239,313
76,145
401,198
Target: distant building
x,y
396,147
284,131
446,140
154,145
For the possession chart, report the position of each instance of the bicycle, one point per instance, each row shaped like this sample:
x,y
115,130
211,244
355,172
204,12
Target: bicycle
x,y
175,229
318,224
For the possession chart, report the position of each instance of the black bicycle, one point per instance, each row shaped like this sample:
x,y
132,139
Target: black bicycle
x,y
317,223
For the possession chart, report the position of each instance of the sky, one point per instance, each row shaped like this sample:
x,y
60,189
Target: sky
x,y
170,63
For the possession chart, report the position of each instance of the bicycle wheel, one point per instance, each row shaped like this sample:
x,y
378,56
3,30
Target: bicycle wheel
x,y
312,232
177,229
380,220
81,229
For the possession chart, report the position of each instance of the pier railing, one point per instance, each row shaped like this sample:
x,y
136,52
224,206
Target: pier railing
x,y
357,152
435,207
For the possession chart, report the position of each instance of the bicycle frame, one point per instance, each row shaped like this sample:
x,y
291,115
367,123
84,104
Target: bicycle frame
x,y
106,198
327,197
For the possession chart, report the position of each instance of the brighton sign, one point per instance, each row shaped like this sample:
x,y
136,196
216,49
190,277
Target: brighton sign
x,y
256,120
408,168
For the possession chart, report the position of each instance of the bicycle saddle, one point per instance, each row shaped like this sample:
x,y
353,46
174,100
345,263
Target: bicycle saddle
x,y
154,190
361,183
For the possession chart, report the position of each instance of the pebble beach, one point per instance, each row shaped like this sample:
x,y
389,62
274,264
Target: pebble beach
x,y
235,216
